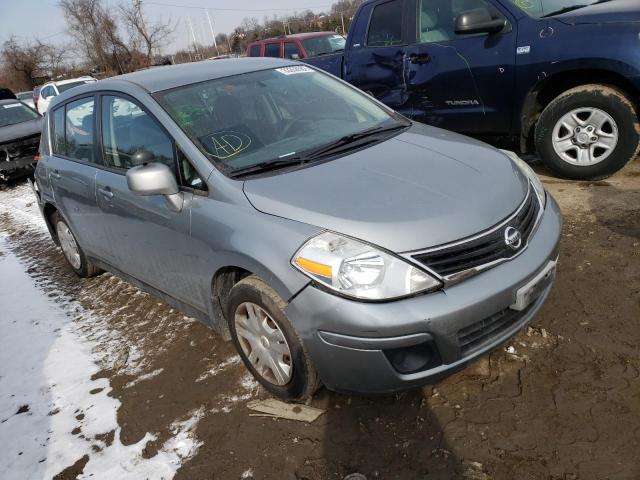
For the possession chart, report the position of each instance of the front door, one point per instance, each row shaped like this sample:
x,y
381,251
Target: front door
x,y
72,171
142,236
460,82
378,66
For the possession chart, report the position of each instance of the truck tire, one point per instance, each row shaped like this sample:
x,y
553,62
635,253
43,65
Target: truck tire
x,y
267,342
588,132
73,253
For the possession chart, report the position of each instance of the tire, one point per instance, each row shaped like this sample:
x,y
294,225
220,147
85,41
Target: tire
x,y
80,264
302,380
588,102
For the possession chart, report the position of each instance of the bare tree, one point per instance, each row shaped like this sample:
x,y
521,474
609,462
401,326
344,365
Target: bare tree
x,y
150,36
24,61
95,29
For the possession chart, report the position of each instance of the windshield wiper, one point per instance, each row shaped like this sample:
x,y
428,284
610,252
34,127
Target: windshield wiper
x,y
571,8
267,165
349,140
307,156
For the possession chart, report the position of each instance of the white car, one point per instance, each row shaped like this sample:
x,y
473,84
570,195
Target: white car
x,y
53,89
27,98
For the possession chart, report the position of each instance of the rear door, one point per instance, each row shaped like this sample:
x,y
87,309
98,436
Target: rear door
x,y
460,82
142,236
378,66
72,169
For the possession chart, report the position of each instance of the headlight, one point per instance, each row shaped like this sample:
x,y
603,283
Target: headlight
x,y
530,174
359,270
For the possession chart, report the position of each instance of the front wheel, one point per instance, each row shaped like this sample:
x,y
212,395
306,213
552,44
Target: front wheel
x,y
588,132
267,342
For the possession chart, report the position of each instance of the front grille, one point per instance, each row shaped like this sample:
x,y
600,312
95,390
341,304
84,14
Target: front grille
x,y
480,333
481,251
25,147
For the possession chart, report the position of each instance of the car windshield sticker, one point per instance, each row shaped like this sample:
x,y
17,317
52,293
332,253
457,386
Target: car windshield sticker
x,y
294,70
12,105
228,143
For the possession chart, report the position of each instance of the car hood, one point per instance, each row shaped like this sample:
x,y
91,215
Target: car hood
x,y
614,11
20,130
419,189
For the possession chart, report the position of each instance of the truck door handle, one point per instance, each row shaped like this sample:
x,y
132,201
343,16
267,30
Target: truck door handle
x,y
420,59
56,175
106,193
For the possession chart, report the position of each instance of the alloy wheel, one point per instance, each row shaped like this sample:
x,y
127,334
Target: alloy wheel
x,y
585,136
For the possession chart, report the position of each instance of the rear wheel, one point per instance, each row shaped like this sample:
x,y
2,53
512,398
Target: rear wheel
x,y
588,132
71,249
267,342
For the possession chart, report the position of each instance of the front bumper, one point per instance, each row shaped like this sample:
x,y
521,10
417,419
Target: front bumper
x,y
350,342
17,166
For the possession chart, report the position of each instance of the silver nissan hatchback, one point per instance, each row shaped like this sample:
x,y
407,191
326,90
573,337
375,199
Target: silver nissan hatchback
x,y
331,239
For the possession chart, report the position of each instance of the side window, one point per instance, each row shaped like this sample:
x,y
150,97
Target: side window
x,y
437,18
79,123
47,92
127,130
272,50
254,51
57,123
385,28
291,50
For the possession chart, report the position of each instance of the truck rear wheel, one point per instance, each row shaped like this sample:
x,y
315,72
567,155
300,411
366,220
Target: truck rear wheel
x,y
588,132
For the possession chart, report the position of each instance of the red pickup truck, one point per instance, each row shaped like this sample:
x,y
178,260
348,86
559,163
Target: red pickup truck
x,y
298,46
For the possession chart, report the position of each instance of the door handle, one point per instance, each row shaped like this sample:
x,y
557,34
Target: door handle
x,y
106,193
56,175
420,58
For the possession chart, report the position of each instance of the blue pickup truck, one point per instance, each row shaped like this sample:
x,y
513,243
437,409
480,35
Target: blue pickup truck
x,y
562,76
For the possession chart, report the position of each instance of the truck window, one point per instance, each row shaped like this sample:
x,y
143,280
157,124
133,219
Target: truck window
x,y
385,28
272,50
290,50
254,51
436,21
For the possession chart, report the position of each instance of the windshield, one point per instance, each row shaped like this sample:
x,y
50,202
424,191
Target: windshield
x,y
66,86
540,8
270,115
12,113
24,95
323,45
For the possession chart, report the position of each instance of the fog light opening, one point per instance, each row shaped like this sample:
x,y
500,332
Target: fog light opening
x,y
413,359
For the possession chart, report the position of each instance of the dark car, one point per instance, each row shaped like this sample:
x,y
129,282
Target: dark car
x,y
6,94
560,76
20,128
298,46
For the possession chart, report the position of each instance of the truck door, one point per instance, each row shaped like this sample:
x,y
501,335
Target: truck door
x,y
461,82
377,66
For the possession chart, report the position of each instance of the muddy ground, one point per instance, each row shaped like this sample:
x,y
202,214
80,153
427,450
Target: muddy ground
x,y
561,402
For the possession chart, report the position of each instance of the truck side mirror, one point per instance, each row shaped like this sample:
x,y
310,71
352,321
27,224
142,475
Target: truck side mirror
x,y
478,20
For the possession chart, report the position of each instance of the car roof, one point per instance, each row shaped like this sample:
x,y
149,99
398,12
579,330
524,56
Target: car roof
x,y
171,76
295,36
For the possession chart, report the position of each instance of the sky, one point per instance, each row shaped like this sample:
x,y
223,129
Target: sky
x,y
43,19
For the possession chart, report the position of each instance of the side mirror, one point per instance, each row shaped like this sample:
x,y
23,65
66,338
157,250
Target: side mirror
x,y
156,179
478,20
294,56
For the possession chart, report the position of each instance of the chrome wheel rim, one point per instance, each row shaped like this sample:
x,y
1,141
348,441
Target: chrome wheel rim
x,y
263,343
68,244
585,136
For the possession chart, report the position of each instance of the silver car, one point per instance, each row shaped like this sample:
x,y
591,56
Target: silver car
x,y
331,239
